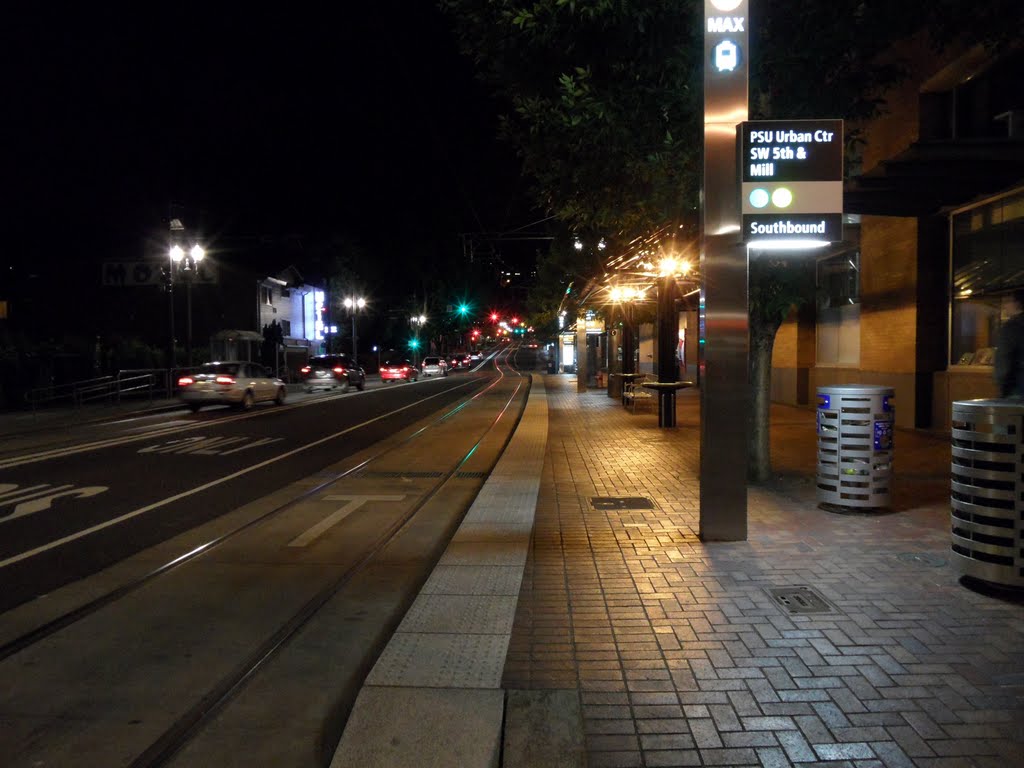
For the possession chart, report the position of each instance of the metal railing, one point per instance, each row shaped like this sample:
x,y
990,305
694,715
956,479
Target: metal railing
x,y
147,383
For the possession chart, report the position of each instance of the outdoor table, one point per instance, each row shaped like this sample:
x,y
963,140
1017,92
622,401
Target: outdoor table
x,y
626,379
666,399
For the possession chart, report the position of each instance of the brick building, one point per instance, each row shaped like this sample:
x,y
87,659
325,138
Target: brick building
x,y
934,243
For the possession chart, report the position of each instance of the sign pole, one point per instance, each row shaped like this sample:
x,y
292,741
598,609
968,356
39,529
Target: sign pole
x,y
724,348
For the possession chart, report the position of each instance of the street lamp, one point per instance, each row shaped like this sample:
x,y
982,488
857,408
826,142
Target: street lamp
x,y
352,305
417,321
187,266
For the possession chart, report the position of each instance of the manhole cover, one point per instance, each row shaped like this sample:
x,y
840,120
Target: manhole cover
x,y
800,600
621,502
922,558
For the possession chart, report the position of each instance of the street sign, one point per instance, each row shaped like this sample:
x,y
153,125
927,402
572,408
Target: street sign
x,y
792,180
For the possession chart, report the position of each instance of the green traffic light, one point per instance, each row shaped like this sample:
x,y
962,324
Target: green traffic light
x,y
414,343
463,309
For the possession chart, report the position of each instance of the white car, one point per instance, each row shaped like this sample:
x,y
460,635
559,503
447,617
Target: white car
x,y
435,366
239,384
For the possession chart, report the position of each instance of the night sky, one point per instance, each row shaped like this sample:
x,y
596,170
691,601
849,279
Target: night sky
x,y
259,122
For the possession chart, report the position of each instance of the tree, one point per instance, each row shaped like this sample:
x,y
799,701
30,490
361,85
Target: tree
x,y
603,105
602,102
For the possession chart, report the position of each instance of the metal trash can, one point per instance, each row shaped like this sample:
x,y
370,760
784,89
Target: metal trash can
x,y
855,446
987,490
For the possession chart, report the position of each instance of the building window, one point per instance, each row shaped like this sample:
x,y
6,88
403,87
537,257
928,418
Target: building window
x,y
987,242
266,295
838,319
286,327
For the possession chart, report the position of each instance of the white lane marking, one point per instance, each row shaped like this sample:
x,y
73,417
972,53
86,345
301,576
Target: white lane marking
x,y
262,441
213,483
174,426
36,501
354,503
8,489
209,446
30,493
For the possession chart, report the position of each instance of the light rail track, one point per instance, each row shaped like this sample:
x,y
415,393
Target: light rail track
x,y
209,702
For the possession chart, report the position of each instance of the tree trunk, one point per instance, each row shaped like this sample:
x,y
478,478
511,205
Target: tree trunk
x,y
762,341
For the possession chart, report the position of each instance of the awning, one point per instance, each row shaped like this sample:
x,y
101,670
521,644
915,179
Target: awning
x,y
935,175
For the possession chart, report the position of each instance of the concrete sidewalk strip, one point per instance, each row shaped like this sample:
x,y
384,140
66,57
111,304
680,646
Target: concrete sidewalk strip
x,y
434,696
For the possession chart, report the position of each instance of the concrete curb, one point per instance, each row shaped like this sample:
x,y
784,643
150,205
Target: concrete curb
x,y
434,697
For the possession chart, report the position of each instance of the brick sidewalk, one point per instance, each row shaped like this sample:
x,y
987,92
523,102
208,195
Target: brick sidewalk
x,y
681,657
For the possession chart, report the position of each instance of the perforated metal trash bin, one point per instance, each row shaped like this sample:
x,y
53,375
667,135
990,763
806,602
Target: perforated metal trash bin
x,y
855,446
987,490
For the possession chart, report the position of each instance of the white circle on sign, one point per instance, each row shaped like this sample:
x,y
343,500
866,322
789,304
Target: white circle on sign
x,y
759,198
782,198
726,5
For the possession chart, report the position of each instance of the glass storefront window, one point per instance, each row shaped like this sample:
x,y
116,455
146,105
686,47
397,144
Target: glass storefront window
x,y
838,322
988,265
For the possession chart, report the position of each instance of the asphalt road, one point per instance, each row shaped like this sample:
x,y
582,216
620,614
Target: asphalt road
x,y
95,495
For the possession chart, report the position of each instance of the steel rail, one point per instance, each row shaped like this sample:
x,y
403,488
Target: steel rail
x,y
210,703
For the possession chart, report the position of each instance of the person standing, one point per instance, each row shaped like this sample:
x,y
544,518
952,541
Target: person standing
x,y
1009,370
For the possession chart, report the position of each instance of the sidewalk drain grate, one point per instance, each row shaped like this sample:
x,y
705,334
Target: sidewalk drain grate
x,y
800,599
393,475
922,558
471,474
621,502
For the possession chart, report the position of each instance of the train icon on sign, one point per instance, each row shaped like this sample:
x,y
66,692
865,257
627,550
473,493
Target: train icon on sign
x,y
726,56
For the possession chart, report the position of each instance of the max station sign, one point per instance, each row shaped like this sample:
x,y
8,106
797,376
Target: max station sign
x,y
791,180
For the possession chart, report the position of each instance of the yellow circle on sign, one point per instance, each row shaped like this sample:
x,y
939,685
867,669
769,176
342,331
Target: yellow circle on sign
x,y
782,198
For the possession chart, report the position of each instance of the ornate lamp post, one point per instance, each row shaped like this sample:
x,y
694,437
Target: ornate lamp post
x,y
186,266
352,305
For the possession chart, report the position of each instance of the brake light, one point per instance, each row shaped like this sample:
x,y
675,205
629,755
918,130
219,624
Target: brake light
x,y
405,368
339,369
184,381
224,380
306,369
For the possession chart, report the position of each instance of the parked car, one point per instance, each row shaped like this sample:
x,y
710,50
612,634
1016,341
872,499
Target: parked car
x,y
435,366
332,371
398,369
239,384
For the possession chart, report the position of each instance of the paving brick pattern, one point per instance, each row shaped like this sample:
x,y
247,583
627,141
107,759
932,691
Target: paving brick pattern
x,y
680,655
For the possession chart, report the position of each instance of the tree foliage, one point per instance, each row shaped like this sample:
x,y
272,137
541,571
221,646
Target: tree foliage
x,y
602,102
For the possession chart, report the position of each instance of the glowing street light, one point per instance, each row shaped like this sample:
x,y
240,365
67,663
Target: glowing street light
x,y
186,265
353,304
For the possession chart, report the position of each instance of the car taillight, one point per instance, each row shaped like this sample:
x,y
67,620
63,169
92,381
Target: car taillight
x,y
405,368
184,381
339,370
224,380
305,369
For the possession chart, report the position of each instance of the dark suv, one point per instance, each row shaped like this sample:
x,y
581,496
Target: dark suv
x,y
330,371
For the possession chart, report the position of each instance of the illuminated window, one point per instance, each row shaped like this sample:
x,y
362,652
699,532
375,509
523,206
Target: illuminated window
x,y
988,240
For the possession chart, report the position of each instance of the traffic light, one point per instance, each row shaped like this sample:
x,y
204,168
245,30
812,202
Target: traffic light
x,y
463,309
494,317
